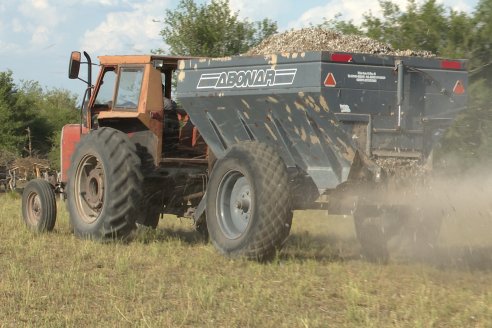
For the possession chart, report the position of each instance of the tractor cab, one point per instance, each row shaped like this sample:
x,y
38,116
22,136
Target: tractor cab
x,y
135,94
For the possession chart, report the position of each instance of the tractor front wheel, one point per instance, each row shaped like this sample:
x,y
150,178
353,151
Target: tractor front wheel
x,y
105,186
39,206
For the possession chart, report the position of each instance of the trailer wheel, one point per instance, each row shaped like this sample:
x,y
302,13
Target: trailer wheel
x,y
371,238
104,186
422,231
415,231
248,209
375,226
39,206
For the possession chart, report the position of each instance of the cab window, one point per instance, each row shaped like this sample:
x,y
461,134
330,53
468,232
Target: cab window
x,y
106,89
129,86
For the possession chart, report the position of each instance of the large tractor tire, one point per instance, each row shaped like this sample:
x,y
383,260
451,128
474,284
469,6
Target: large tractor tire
x,y
39,206
248,209
104,189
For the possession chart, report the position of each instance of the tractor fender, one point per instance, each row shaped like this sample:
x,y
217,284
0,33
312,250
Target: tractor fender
x,y
70,137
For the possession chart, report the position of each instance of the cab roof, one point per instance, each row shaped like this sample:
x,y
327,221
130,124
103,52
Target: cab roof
x,y
139,59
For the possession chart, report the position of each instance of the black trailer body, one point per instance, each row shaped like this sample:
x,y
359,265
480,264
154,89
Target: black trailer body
x,y
324,112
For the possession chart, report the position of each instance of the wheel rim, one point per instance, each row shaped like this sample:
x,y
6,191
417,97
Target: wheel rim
x,y
234,204
34,208
89,188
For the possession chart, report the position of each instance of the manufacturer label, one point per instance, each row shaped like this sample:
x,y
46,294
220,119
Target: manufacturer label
x,y
247,79
345,108
370,77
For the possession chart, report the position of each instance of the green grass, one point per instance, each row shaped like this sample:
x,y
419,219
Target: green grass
x,y
170,278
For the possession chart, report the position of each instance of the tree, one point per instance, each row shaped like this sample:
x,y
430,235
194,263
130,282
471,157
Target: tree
x,y
383,29
28,110
50,110
212,30
59,108
481,54
14,115
30,95
339,25
422,27
471,135
458,36
482,38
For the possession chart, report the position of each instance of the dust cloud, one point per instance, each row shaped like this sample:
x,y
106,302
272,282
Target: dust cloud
x,y
449,220
443,219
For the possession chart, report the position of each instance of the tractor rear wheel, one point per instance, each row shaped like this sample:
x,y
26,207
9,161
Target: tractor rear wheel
x,y
248,209
105,186
39,206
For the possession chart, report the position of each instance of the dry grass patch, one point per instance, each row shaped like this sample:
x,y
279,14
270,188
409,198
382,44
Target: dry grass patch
x,y
171,278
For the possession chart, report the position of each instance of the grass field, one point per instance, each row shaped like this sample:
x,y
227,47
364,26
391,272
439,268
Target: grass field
x,y
170,278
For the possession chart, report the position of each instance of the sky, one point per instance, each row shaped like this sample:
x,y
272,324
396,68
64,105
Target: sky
x,y
37,36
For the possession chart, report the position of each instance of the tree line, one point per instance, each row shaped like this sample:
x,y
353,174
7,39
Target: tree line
x,y
29,112
31,119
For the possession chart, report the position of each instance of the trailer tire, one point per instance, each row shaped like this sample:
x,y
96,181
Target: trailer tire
x,y
372,240
39,206
104,188
422,230
401,228
248,209
374,227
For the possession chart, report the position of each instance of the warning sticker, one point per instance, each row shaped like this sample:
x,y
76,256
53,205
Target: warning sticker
x,y
459,89
370,77
330,80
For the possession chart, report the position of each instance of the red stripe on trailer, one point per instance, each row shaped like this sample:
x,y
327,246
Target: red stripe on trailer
x,y
342,58
451,64
330,80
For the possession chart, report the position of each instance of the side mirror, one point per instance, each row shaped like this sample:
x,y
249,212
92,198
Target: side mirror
x,y
74,65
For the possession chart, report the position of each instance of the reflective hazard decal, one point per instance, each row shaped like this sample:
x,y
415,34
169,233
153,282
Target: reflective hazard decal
x,y
459,89
330,80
